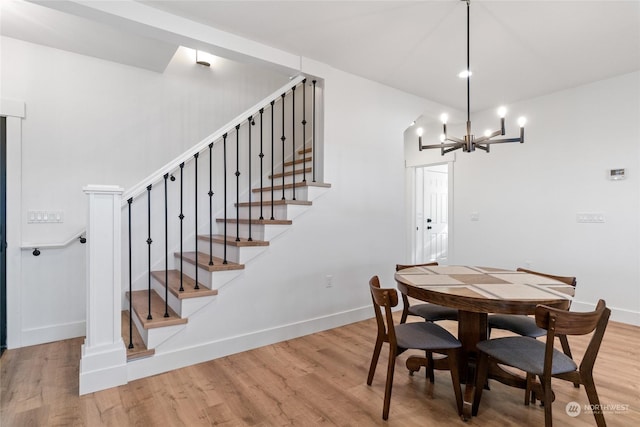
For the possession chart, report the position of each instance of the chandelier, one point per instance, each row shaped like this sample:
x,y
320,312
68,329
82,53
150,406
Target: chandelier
x,y
469,142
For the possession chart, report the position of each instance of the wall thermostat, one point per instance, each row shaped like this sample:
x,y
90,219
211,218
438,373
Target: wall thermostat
x,y
617,174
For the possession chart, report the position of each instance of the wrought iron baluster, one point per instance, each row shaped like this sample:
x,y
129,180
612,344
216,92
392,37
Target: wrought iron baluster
x,y
181,216
195,218
261,164
149,241
313,133
224,175
304,130
249,124
130,280
293,139
273,181
283,139
210,204
166,248
237,183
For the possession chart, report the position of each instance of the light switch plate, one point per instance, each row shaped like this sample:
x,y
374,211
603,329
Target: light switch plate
x,y
590,217
44,217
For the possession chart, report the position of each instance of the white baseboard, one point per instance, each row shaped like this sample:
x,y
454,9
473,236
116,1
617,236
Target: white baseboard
x,y
102,367
165,362
53,333
617,314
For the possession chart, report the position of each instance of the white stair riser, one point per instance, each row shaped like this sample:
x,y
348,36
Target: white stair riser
x,y
300,167
239,255
155,336
303,193
212,280
290,178
185,307
266,232
279,212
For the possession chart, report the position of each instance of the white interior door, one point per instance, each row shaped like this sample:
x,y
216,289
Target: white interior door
x,y
432,213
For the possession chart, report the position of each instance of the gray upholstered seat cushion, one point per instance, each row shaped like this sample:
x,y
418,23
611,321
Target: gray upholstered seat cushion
x,y
425,336
433,312
526,353
521,325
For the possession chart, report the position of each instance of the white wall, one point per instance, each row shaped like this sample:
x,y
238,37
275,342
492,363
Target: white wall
x,y
90,121
527,196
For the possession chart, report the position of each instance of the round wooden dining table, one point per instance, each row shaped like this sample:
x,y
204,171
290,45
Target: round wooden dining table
x,y
475,292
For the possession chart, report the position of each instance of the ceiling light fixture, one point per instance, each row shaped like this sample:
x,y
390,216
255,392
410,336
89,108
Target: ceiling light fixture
x,y
469,142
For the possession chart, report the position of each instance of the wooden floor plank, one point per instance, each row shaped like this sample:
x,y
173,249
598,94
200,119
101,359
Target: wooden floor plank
x,y
319,379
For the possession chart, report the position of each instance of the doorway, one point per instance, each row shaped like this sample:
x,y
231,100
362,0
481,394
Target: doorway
x,y
432,214
3,234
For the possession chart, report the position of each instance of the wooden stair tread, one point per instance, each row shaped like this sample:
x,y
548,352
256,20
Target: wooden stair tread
x,y
303,160
258,221
188,285
289,173
231,240
278,202
140,306
203,262
306,150
139,349
298,185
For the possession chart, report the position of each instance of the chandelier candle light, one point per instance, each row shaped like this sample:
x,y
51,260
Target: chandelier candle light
x,y
469,142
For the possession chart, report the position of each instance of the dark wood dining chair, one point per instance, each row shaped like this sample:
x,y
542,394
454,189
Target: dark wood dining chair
x,y
541,359
425,336
428,311
525,325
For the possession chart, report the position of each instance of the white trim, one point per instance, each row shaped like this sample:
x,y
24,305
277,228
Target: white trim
x,y
617,314
410,178
102,367
163,362
15,112
12,108
51,333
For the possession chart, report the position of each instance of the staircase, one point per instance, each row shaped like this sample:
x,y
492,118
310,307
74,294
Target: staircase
x,y
179,294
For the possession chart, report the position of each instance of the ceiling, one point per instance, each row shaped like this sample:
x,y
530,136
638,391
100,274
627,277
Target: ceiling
x,y
519,49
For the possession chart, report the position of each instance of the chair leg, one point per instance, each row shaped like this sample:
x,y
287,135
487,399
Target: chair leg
x,y
429,367
567,350
481,378
592,394
548,399
389,384
374,360
529,393
454,368
405,313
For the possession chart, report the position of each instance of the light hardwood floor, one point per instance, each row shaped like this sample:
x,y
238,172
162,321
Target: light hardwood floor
x,y
313,380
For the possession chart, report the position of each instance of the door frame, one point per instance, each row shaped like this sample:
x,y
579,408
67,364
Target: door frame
x,y
14,111
3,226
411,211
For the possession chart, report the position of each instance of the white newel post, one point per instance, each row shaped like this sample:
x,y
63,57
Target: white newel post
x,y
104,356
